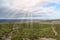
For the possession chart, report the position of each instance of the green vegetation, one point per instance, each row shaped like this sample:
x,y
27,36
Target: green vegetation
x,y
4,29
58,31
29,30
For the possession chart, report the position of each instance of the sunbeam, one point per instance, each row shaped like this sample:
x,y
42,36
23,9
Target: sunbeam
x,y
25,8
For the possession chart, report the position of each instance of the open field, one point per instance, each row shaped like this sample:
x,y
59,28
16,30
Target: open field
x,y
30,31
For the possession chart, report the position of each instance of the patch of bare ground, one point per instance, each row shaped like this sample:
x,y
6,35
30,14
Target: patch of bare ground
x,y
47,39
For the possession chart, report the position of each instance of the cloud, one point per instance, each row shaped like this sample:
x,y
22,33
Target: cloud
x,y
25,5
35,9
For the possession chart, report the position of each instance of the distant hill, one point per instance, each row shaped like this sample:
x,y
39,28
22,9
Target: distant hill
x,y
18,20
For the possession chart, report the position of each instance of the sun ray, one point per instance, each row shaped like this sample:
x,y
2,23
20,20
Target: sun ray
x,y
29,8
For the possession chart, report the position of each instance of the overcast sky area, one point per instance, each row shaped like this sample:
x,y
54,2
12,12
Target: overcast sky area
x,y
30,9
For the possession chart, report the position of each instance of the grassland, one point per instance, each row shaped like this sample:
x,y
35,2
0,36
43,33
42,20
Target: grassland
x,y
26,31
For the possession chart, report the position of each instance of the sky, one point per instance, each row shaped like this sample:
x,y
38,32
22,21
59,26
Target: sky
x,y
30,9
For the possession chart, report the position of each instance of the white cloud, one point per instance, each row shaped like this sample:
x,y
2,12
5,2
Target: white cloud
x,y
25,5
31,8
57,1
